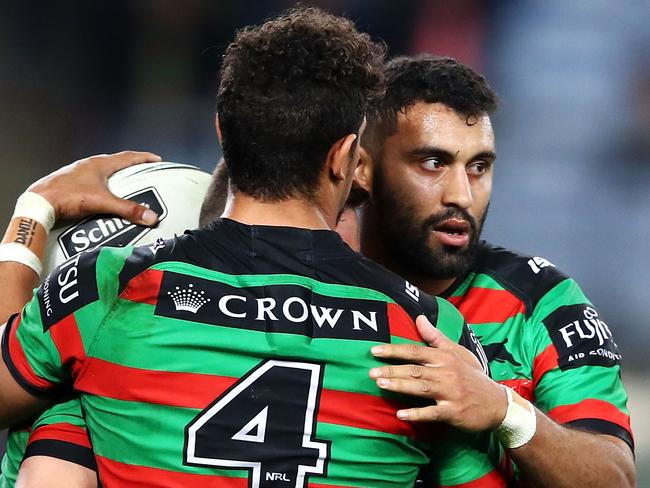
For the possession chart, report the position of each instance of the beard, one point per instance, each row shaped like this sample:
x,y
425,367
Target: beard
x,y
409,240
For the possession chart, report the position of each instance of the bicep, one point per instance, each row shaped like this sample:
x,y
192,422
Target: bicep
x,y
44,471
16,404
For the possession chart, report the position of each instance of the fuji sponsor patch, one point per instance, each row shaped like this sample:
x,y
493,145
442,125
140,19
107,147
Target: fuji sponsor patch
x,y
581,337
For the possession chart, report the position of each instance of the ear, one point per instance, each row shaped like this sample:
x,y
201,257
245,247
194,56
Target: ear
x,y
364,170
342,157
217,124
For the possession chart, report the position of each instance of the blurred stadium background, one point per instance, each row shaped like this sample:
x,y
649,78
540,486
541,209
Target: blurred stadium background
x,y
573,131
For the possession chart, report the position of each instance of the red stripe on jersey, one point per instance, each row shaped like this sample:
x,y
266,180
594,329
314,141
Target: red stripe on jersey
x,y
19,359
117,474
522,386
144,288
491,480
365,412
193,390
481,305
590,409
544,362
67,339
401,324
61,432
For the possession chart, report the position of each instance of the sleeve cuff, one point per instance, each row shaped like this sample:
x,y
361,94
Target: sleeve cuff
x,y
25,384
600,426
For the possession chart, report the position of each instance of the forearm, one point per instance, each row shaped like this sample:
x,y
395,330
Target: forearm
x,y
17,281
561,457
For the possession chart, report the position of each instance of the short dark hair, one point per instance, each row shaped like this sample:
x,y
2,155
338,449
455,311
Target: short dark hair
x,y
429,79
290,88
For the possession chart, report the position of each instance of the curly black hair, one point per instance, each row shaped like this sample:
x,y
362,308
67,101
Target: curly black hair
x,y
290,88
429,79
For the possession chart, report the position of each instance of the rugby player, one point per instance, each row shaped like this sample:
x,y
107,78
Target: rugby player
x,y
427,166
155,369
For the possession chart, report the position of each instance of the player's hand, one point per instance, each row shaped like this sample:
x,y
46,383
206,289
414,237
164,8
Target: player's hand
x,y
80,189
446,373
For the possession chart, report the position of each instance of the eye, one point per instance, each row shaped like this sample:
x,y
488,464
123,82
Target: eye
x,y
478,168
431,164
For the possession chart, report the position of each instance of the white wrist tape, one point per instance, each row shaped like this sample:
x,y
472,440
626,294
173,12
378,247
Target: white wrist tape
x,y
33,206
519,425
17,253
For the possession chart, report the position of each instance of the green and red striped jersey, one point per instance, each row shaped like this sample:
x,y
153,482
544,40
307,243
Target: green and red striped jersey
x,y
236,356
59,432
544,338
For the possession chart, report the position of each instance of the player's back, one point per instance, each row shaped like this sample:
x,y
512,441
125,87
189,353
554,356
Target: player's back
x,y
240,354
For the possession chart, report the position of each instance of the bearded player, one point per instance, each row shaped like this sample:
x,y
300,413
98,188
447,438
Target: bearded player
x,y
275,243
428,169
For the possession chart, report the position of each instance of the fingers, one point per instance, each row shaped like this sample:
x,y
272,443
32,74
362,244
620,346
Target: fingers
x,y
411,353
124,159
431,413
432,335
129,210
422,388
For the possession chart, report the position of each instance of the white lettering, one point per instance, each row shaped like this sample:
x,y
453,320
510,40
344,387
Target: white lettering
x,y
537,263
95,235
80,241
286,309
223,306
566,334
326,316
369,321
265,309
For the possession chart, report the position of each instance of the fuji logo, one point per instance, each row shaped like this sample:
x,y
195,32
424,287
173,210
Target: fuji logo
x,y
188,299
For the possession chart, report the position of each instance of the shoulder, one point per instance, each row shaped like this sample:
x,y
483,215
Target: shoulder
x,y
413,300
556,307
78,282
184,248
529,278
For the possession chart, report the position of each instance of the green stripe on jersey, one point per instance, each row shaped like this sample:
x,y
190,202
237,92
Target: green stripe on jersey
x,y
563,294
15,449
477,280
227,351
449,320
587,382
391,457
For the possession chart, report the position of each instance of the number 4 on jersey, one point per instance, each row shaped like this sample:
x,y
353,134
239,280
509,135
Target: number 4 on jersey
x,y
265,423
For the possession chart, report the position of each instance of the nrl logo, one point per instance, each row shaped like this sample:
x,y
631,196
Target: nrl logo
x,y
106,230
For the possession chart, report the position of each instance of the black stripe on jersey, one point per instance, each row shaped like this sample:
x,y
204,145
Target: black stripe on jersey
x,y
68,288
234,248
290,309
24,384
527,277
600,426
66,451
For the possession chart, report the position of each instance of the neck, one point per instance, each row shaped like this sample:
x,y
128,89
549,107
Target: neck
x,y
376,249
293,212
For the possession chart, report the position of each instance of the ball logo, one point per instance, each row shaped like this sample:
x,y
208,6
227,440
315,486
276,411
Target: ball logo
x,y
113,231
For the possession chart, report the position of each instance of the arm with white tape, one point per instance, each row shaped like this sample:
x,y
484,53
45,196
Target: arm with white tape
x,y
74,191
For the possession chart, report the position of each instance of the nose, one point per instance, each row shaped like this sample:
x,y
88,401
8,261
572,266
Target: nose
x,y
458,190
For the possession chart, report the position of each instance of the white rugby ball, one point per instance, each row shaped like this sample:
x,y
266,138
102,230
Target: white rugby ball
x,y
174,191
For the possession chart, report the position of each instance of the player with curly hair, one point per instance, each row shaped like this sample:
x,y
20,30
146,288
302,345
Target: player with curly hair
x,y
240,351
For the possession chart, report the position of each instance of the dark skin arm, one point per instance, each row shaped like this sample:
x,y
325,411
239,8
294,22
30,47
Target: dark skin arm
x,y
556,456
75,191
